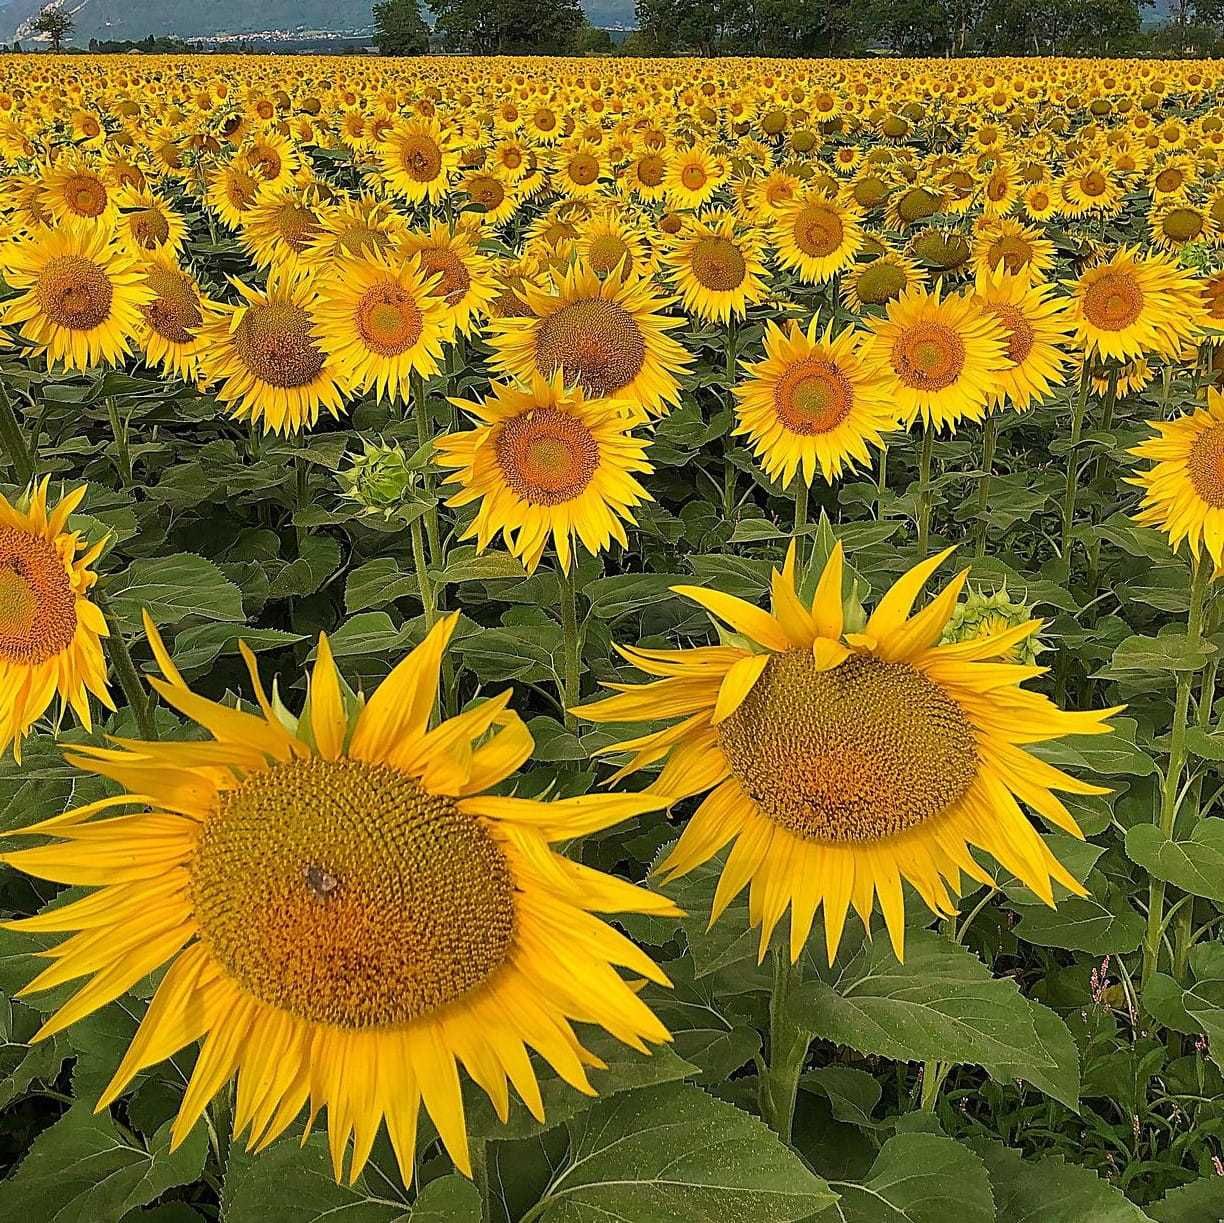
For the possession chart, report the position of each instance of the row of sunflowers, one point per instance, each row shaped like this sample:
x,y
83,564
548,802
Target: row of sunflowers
x,y
416,378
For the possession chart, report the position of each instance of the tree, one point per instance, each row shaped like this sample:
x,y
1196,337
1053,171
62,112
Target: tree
x,y
593,41
399,28
55,24
509,27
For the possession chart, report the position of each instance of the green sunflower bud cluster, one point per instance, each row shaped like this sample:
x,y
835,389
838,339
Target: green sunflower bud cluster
x,y
983,614
382,480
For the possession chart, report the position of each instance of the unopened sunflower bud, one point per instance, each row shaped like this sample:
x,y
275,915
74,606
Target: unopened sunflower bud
x,y
381,480
986,615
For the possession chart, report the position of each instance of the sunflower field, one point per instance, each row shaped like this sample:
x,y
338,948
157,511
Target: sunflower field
x,y
592,640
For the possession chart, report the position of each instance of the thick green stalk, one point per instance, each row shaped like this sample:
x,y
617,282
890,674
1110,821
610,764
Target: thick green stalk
x,y
13,440
1167,815
990,436
801,512
119,430
420,408
881,481
125,671
428,605
788,1048
729,473
1072,485
569,630
924,487
1098,470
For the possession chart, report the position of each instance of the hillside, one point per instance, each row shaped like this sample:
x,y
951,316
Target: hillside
x,y
133,19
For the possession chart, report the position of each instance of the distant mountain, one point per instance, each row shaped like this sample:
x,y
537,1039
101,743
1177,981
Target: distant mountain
x,y
135,19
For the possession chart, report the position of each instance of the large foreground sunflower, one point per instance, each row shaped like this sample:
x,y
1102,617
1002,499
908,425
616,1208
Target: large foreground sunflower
x,y
546,462
841,762
608,336
1183,492
50,632
341,910
812,404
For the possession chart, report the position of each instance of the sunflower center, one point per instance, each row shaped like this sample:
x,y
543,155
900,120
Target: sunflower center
x,y
594,342
1020,334
388,320
420,158
75,293
606,253
1013,252
693,177
813,396
85,195
928,356
916,204
1205,466
818,230
1093,183
879,283
456,279
718,264
546,455
487,192
650,170
297,226
584,169
867,750
346,894
273,341
37,604
175,312
1169,180
1182,224
1113,301
149,228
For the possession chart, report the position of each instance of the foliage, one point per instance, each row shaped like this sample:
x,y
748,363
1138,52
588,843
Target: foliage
x,y
55,23
508,27
399,28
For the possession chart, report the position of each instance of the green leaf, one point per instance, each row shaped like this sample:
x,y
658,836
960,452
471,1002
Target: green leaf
x,y
919,1178
318,559
678,1154
1103,923
173,589
84,1168
377,583
617,596
1051,1190
942,1003
1061,1080
294,1183
199,645
1195,866
1201,1201
1113,754
1138,656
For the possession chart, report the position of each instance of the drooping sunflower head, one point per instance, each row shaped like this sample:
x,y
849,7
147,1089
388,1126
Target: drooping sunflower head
x,y
845,754
608,336
50,632
1019,248
942,356
175,319
545,462
461,277
869,287
380,322
811,404
266,356
1183,490
338,890
81,295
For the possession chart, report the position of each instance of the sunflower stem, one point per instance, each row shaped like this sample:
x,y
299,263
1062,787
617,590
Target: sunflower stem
x,y
125,671
479,1151
420,409
801,509
881,481
924,488
990,436
1098,469
933,1076
1167,815
119,432
788,1046
1077,430
569,629
729,473
14,441
422,573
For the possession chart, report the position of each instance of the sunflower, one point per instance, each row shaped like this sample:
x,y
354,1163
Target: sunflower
x,y
544,462
577,172
609,242
879,281
492,194
418,159
82,296
693,176
358,226
608,336
817,236
265,355
841,762
281,229
716,263
148,225
1036,326
1019,248
379,322
175,320
465,282
942,357
1183,492
811,404
74,192
1132,304
1178,222
646,175
342,912
232,192
50,632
